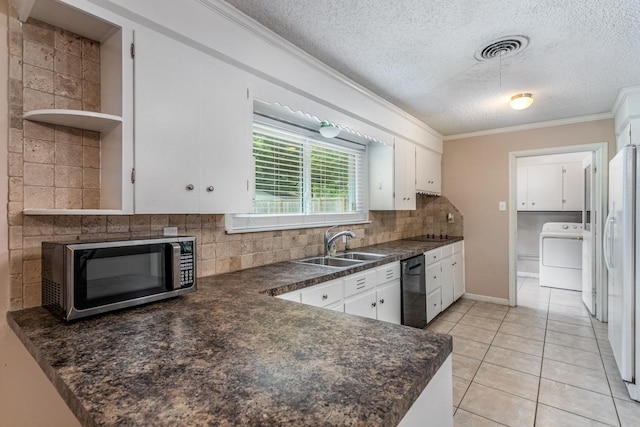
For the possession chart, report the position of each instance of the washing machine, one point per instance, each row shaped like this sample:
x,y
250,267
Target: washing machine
x,y
561,255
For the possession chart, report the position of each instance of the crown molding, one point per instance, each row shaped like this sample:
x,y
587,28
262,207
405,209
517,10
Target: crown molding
x,y
529,126
257,29
622,96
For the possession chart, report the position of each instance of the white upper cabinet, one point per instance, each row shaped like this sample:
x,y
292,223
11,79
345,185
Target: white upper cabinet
x,y
193,150
392,176
550,187
572,186
405,175
543,188
428,171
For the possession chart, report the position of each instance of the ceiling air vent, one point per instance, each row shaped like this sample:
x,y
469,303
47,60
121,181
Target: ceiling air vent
x,y
503,47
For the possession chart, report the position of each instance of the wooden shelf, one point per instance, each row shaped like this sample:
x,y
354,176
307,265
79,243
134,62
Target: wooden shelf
x,y
74,212
88,120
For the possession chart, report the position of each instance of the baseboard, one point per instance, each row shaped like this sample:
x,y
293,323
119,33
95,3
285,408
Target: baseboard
x,y
484,298
525,274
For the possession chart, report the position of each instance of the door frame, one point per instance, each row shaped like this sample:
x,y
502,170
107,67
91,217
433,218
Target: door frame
x,y
601,152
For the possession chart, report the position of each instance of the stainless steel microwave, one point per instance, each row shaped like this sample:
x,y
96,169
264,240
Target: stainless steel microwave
x,y
84,278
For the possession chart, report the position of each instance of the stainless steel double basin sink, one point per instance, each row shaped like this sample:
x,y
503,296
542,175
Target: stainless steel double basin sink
x,y
342,260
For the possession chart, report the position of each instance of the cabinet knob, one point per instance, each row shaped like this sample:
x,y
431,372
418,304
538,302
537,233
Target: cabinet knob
x,y
523,203
382,301
325,296
373,304
189,187
210,188
435,277
533,203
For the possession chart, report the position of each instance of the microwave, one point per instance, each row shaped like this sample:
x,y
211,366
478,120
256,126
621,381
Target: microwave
x,y
84,278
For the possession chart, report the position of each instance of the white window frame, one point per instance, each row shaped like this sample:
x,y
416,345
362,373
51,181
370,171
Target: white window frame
x,y
246,223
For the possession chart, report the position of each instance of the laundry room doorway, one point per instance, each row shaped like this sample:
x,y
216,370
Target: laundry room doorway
x,y
555,195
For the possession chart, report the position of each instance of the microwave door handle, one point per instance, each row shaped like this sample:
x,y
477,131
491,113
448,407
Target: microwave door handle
x,y
175,259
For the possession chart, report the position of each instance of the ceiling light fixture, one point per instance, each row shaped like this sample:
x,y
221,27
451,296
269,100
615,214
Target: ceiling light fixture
x,y
329,130
521,101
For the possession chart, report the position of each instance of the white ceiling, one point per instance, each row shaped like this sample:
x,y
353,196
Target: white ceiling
x,y
419,54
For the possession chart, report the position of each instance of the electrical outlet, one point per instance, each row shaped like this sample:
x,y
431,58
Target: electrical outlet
x,y
170,231
502,206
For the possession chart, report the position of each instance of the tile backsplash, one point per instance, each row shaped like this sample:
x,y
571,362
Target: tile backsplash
x,y
217,251
59,167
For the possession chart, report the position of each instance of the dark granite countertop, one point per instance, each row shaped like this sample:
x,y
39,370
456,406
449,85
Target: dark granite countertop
x,y
230,354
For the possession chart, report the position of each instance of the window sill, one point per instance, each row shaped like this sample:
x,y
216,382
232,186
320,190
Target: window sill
x,y
235,224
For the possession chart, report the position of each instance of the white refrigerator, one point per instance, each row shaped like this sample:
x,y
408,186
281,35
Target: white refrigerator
x,y
621,260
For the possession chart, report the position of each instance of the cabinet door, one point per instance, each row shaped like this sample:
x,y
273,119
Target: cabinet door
x,y
544,184
434,276
458,275
572,186
364,305
521,188
167,124
389,305
428,171
448,281
226,146
434,304
404,175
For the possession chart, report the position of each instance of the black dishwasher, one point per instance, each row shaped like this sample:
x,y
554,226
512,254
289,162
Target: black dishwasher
x,y
414,292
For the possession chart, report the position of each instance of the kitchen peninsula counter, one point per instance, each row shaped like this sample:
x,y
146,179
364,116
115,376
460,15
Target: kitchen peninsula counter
x,y
231,354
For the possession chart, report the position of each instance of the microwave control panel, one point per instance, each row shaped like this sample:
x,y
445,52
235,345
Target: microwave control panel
x,y
187,264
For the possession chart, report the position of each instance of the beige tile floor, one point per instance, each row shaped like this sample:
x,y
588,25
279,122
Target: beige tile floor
x,y
546,362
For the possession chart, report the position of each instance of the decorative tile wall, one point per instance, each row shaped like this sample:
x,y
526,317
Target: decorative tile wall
x,y
217,252
59,167
54,166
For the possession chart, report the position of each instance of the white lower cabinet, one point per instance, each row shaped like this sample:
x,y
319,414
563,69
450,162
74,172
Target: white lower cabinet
x,y
434,304
373,293
363,304
444,277
433,406
389,302
458,275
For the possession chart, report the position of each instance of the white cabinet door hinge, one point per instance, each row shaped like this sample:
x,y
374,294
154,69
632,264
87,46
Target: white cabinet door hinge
x,y
133,175
133,50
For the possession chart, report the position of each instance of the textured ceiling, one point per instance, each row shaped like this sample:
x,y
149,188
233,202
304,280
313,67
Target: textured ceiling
x,y
419,54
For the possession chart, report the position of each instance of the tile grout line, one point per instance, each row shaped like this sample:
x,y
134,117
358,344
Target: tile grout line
x,y
606,375
544,345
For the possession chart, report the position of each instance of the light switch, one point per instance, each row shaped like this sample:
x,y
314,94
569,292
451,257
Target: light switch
x,y
502,206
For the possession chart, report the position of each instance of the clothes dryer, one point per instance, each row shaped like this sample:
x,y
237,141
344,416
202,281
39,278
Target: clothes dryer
x,y
561,255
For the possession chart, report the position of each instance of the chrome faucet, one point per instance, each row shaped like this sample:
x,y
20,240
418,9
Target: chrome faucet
x,y
330,241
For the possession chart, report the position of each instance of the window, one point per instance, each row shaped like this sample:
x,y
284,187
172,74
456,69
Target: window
x,y
301,180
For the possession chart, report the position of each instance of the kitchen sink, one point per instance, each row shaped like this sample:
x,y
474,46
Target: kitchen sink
x,y
331,261
361,256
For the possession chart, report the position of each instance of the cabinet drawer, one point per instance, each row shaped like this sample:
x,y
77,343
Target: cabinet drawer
x,y
434,276
359,282
388,273
447,250
458,247
323,294
433,256
290,296
434,304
